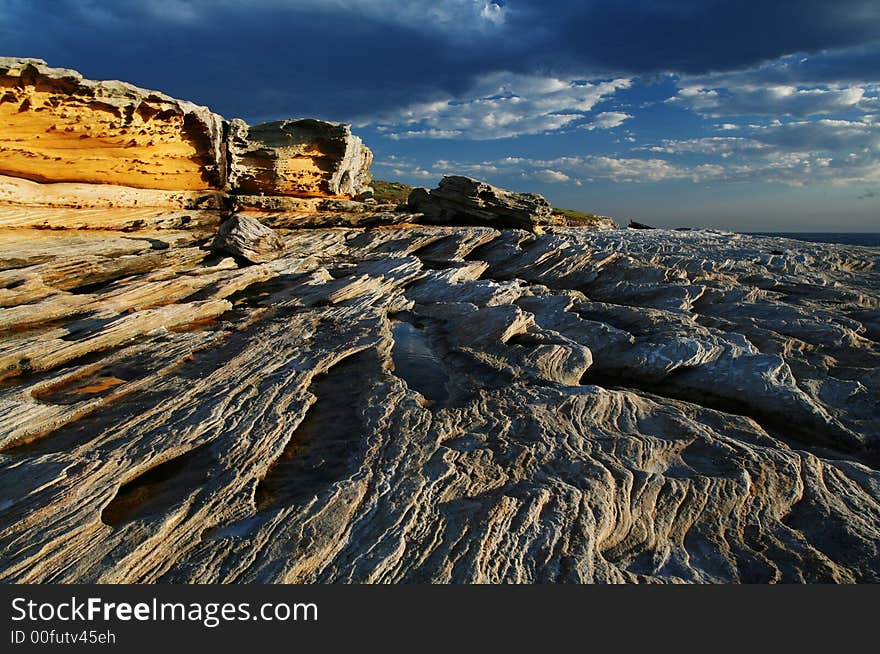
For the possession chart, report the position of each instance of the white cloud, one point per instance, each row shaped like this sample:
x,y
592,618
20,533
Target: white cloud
x,y
607,120
724,146
749,161
574,169
826,138
769,99
798,136
425,134
632,170
502,105
551,176
826,135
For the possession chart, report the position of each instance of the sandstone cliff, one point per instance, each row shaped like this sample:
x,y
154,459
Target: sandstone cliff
x,y
303,158
56,126
123,146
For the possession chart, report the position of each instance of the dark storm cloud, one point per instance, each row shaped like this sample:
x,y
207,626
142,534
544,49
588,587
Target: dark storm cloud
x,y
256,60
696,36
345,58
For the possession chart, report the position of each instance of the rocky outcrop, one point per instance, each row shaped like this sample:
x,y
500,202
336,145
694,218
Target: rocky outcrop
x,y
59,127
246,237
302,158
636,225
464,201
71,143
589,221
439,404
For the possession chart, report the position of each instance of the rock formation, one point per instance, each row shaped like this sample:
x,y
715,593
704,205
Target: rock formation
x,y
461,200
67,142
303,158
637,225
246,237
439,404
406,403
56,126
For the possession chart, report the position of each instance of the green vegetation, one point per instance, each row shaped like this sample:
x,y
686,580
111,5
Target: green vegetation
x,y
574,217
390,192
572,214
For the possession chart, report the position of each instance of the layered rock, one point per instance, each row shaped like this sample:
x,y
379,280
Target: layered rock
x,y
77,195
302,158
589,221
246,237
439,404
461,200
72,143
56,126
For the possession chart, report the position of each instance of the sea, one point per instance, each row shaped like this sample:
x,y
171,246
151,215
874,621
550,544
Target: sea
x,y
865,239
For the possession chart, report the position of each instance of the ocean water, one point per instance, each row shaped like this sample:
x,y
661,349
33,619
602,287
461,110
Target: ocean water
x,y
870,240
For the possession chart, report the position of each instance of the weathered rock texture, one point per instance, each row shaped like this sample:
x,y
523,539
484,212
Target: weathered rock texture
x,y
18,192
464,201
71,143
303,158
589,221
246,237
56,126
439,404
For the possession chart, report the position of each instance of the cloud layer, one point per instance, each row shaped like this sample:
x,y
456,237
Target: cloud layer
x,y
503,105
557,95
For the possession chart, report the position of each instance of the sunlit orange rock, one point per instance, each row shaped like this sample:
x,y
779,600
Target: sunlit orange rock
x,y
56,126
81,154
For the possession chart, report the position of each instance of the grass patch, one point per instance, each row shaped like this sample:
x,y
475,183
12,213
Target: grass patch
x,y
576,216
390,192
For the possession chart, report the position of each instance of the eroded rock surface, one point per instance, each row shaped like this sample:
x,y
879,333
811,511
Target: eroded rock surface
x,y
439,404
302,158
459,200
56,126
248,238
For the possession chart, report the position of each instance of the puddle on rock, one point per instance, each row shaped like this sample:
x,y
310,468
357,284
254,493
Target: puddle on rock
x,y
94,386
100,382
159,488
416,362
327,445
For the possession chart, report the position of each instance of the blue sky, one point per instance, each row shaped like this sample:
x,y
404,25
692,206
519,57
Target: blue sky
x,y
717,113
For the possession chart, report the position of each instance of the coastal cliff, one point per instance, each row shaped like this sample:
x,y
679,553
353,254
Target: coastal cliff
x,y
324,389
106,145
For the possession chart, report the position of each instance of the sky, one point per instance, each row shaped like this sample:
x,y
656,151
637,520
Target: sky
x,y
733,114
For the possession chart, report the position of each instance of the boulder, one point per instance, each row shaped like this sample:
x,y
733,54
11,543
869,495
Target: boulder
x,y
462,200
248,238
56,126
302,158
636,225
